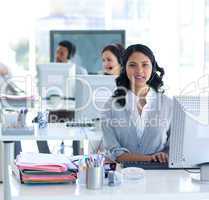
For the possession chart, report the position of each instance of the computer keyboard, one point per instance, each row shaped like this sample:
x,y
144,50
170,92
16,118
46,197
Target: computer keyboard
x,y
80,124
144,165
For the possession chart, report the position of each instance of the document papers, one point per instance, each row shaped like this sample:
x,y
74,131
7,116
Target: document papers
x,y
45,168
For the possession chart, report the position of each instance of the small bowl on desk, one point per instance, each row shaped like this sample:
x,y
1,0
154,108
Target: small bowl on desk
x,y
133,173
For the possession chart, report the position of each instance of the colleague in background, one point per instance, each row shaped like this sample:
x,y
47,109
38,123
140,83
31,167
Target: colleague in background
x,y
137,118
112,62
3,70
65,53
112,59
6,86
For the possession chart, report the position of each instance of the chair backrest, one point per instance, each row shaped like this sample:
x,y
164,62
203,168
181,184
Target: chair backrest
x,y
60,116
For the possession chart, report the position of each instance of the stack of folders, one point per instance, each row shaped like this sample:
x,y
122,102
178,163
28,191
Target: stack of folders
x,y
44,168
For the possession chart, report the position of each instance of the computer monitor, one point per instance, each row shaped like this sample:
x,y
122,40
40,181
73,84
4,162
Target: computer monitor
x,y
53,80
92,92
88,43
189,139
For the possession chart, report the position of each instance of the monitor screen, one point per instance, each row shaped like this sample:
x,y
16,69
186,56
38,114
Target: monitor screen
x,y
189,139
88,44
92,92
53,80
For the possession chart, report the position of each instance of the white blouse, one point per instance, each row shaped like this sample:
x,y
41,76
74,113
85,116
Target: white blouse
x,y
125,130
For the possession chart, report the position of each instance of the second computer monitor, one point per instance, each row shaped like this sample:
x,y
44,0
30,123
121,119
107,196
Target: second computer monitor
x,y
92,91
189,139
53,80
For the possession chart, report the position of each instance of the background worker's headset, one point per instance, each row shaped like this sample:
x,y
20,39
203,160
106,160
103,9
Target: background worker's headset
x,y
119,50
71,51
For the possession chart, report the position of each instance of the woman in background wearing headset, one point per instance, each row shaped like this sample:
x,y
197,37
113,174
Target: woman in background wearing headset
x,y
112,62
112,59
137,118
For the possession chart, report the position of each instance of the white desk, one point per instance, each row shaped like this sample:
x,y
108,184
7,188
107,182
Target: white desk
x,y
54,131
163,185
158,185
57,131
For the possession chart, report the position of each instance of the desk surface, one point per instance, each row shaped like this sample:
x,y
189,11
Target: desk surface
x,y
161,184
57,131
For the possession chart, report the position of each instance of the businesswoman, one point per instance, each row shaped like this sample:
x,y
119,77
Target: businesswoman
x,y
112,59
136,120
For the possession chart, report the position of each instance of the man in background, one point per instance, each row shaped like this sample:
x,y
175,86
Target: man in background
x,y
65,53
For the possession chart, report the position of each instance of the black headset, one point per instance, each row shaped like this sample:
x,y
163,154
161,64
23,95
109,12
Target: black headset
x,y
119,53
71,51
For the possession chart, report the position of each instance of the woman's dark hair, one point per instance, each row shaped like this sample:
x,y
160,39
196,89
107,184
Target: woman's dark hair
x,y
116,49
123,83
70,47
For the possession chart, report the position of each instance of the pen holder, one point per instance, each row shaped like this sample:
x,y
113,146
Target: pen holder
x,y
94,177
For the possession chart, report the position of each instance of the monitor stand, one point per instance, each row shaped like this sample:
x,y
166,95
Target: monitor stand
x,y
203,177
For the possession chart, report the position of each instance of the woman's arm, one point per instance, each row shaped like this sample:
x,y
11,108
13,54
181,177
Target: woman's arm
x,y
110,138
157,157
134,157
